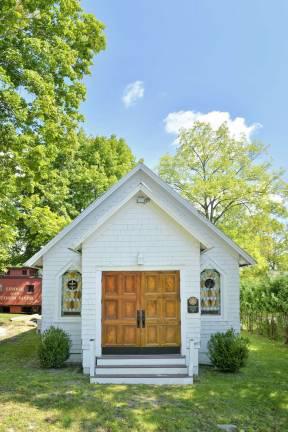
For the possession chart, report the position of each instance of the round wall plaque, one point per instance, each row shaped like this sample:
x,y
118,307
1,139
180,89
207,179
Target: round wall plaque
x,y
192,305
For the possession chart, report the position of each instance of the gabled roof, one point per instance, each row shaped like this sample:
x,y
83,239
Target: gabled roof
x,y
245,257
148,193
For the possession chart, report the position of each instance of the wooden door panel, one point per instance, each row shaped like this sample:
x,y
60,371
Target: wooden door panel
x,y
110,335
130,282
129,335
170,335
152,308
151,283
111,309
161,302
111,285
120,301
155,293
152,335
170,283
170,309
129,310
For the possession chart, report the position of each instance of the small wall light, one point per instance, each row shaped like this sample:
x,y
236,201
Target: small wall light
x,y
141,199
140,259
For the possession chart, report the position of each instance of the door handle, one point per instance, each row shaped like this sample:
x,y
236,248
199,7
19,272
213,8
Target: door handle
x,y
143,318
138,318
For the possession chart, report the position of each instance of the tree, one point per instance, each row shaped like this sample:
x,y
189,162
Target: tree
x,y
46,48
264,306
230,184
99,163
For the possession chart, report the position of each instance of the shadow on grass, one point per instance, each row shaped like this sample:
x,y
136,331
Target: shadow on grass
x,y
65,398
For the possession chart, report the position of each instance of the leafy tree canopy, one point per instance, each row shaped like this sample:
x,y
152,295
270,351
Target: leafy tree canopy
x,y
46,49
231,183
97,163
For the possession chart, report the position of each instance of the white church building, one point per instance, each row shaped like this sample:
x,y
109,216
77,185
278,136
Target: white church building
x,y
140,280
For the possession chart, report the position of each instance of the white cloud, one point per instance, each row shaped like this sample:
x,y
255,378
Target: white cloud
x,y
186,119
132,93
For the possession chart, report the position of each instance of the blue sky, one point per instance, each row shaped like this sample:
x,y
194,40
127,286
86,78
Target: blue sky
x,y
187,57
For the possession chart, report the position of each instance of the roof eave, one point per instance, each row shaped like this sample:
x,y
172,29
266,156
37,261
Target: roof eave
x,y
36,259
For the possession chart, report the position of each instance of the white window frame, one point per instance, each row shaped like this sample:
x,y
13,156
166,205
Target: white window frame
x,y
70,266
209,264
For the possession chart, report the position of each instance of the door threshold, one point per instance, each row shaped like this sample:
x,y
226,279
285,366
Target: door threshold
x,y
140,350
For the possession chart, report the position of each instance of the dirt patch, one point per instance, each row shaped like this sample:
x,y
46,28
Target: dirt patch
x,y
3,332
9,329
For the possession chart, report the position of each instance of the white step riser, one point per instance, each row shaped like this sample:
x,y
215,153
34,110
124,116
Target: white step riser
x,y
141,371
136,361
135,380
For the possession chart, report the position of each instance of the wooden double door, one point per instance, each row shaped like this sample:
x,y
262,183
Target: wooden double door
x,y
140,311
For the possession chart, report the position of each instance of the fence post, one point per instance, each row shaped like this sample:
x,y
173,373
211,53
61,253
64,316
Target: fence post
x,y
92,356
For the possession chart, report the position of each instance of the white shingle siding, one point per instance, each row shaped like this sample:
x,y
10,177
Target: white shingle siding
x,y
227,265
164,243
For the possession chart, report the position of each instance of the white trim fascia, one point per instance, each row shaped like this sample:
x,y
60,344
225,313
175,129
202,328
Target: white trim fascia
x,y
105,217
175,217
140,268
209,261
79,218
34,259
98,317
143,188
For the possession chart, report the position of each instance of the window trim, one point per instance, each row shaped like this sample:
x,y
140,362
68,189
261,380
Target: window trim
x,y
58,318
209,263
220,293
75,314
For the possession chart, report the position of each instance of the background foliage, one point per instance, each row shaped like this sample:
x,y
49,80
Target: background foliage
x,y
46,48
50,170
264,306
231,183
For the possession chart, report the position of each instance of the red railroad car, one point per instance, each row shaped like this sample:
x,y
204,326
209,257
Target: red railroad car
x,y
20,290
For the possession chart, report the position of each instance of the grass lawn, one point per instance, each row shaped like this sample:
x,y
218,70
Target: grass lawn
x,y
32,399
4,317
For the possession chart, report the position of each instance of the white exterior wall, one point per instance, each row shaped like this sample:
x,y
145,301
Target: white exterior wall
x,y
51,300
163,243
60,258
228,267
145,229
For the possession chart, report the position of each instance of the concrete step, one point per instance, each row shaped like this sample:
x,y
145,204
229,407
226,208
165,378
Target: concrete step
x,y
156,379
141,370
134,360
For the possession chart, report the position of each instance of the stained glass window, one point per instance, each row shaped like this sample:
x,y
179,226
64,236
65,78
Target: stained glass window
x,y
210,292
71,293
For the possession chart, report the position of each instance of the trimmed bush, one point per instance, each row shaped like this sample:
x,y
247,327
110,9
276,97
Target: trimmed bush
x,y
228,351
54,348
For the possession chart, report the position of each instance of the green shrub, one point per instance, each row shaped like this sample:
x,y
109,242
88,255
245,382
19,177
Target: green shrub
x,y
264,306
54,348
228,351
